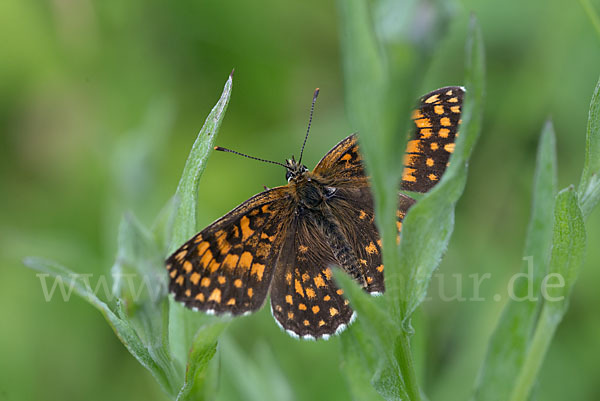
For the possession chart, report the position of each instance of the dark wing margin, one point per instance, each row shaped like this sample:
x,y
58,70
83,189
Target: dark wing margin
x,y
228,266
305,301
437,119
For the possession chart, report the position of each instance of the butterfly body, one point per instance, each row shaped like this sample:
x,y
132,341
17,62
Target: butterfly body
x,y
287,239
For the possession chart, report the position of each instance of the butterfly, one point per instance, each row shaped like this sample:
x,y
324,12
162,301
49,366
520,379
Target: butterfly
x,y
287,239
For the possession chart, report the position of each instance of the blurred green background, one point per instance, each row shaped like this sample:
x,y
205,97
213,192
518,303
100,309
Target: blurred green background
x,y
100,102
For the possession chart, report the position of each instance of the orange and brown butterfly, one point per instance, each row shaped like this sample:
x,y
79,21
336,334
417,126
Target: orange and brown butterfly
x,y
287,239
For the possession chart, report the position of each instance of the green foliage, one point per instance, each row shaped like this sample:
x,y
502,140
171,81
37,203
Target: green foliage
x,y
428,225
555,246
62,116
141,316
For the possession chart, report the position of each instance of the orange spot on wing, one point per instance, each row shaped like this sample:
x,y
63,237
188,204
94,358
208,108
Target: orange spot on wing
x,y
333,312
326,298
215,296
290,315
371,248
187,266
213,266
407,175
310,293
251,293
188,292
258,269
362,215
416,114
434,146
221,279
453,100
181,255
327,273
432,177
445,121
379,268
305,277
231,261
231,301
455,109
289,300
444,132
425,133
298,287
306,323
202,247
321,323
423,123
432,99
206,258
438,109
410,159
200,297
245,260
413,146
245,226
237,283
319,282
301,306
288,278
194,278
205,282
179,280
173,273
449,147
429,162
315,309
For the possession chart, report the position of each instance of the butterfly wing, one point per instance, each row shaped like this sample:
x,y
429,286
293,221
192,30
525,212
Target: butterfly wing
x,y
228,266
354,207
436,119
304,299
342,165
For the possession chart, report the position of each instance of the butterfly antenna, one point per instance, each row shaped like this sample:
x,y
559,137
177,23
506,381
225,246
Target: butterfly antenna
x,y
312,109
220,149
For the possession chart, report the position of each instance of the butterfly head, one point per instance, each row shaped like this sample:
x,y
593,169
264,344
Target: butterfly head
x,y
294,169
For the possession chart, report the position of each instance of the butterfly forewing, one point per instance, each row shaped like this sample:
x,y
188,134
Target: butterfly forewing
x,y
343,165
436,119
228,266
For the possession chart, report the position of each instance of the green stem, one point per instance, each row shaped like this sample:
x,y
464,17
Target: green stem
x,y
407,370
535,355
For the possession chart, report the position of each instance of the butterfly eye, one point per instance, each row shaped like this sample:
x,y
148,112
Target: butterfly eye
x,y
289,176
329,191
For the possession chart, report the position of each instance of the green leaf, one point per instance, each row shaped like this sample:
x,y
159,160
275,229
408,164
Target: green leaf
x,y
359,362
589,186
568,246
203,349
183,322
185,224
254,378
508,344
123,328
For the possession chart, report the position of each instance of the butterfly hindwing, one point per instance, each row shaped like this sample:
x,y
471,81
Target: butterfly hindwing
x,y
228,266
436,119
304,299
